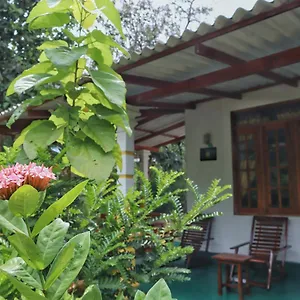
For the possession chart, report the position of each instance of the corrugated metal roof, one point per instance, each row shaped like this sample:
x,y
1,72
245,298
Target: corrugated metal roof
x,y
268,36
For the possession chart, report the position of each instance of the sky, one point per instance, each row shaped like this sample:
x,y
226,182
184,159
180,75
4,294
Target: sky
x,y
220,7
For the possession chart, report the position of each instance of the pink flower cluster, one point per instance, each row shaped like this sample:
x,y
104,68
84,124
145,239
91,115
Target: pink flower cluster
x,y
11,178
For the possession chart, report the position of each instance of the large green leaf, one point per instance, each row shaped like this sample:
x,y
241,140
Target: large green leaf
x,y
100,37
108,8
40,68
9,221
81,250
56,19
41,136
43,8
112,86
57,208
160,291
52,44
27,249
101,131
60,264
64,57
92,293
139,296
27,82
51,239
25,290
21,138
89,159
17,267
24,201
119,118
35,101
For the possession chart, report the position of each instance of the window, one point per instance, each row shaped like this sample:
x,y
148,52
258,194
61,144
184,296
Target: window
x,y
266,160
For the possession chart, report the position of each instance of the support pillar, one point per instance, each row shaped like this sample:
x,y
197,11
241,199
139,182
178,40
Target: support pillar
x,y
144,156
126,143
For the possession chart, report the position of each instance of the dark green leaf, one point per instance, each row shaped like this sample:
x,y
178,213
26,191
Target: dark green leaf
x,y
41,136
57,207
27,82
89,159
101,131
17,267
60,264
112,86
24,201
9,221
92,293
27,249
81,250
64,57
51,239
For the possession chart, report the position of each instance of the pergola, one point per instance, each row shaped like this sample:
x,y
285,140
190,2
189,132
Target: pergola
x,y
252,50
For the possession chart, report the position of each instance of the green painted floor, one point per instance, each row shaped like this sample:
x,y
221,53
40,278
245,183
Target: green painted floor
x,y
203,286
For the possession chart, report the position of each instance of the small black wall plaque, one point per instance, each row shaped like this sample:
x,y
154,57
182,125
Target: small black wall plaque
x,y
207,154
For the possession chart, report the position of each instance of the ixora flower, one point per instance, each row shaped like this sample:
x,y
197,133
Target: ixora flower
x,y
11,178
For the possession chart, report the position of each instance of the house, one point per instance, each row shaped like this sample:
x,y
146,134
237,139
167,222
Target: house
x,y
238,82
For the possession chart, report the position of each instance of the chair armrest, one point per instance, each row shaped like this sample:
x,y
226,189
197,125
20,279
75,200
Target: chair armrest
x,y
286,247
240,245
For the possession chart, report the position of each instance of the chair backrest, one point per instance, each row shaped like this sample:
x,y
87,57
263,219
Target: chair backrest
x,y
268,233
196,238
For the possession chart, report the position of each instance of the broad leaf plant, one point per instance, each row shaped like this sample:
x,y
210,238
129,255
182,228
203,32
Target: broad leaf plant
x,y
76,73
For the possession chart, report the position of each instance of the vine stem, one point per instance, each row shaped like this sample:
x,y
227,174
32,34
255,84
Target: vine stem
x,y
27,225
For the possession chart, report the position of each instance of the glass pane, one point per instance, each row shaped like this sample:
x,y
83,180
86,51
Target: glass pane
x,y
244,198
271,138
272,158
244,180
281,136
252,180
284,177
253,199
273,178
242,138
282,156
251,160
250,142
243,161
274,198
285,198
242,146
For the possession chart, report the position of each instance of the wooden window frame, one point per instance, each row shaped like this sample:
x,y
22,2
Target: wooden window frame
x,y
292,130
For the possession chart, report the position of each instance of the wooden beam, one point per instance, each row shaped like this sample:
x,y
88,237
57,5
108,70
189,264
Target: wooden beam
x,y
174,141
266,63
145,81
284,7
160,132
17,127
165,105
38,114
228,59
152,132
141,147
146,120
153,112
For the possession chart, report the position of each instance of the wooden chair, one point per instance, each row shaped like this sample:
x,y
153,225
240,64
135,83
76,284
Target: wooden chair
x,y
197,238
268,239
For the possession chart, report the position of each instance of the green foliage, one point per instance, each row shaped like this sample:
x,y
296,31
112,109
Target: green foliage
x,y
127,248
36,262
94,99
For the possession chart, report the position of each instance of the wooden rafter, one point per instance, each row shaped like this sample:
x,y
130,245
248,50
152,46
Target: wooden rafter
x,y
173,141
284,7
255,66
160,132
141,147
145,81
228,59
152,132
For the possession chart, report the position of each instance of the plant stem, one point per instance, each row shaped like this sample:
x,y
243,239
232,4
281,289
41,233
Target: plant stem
x,y
28,227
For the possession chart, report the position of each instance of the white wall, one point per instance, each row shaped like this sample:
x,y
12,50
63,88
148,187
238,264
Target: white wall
x,y
214,117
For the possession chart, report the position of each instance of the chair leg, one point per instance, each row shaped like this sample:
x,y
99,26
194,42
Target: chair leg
x,y
270,269
188,261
